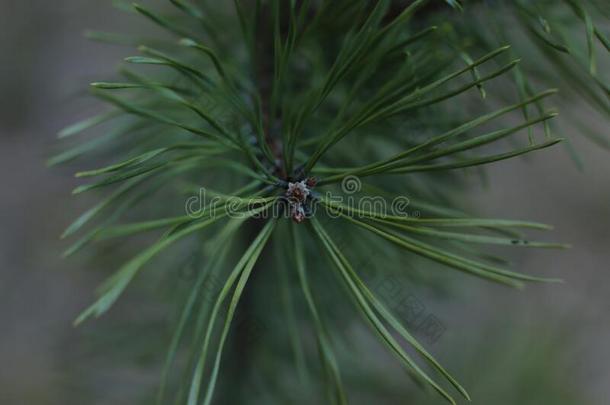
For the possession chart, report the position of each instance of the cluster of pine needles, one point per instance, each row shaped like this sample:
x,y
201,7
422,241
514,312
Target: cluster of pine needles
x,y
250,99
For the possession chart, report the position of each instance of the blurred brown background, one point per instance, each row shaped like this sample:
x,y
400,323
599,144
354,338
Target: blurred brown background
x,y
45,65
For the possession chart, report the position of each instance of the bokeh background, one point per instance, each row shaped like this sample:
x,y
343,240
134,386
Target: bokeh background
x,y
548,343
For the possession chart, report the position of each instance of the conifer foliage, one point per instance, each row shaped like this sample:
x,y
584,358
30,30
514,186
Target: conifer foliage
x,y
275,143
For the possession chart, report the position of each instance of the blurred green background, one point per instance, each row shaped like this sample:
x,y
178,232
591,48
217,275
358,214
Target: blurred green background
x,y
545,345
